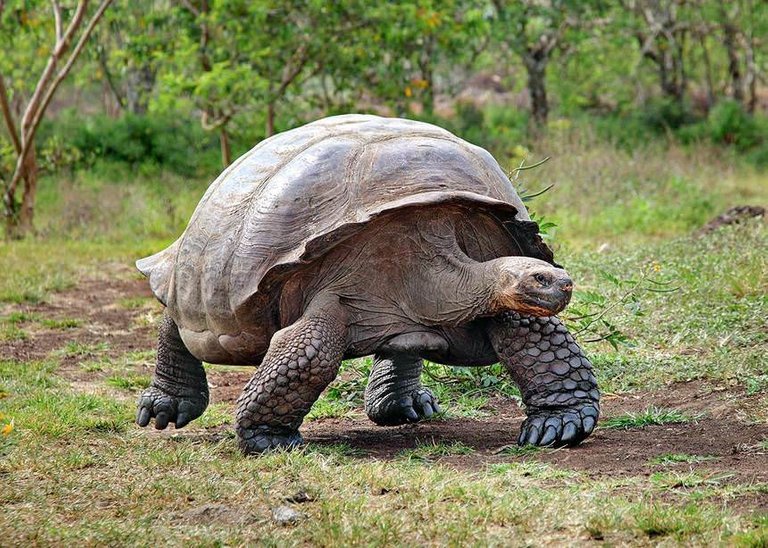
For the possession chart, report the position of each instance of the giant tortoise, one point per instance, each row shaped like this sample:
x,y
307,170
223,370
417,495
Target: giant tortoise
x,y
358,235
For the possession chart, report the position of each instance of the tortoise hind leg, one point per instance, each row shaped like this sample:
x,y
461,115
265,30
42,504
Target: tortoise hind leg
x,y
555,378
301,361
179,390
394,394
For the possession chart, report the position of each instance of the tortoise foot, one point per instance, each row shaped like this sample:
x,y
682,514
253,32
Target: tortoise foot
x,y
166,408
401,409
263,438
559,427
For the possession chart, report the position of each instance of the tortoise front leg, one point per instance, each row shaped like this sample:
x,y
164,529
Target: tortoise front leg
x,y
556,380
301,361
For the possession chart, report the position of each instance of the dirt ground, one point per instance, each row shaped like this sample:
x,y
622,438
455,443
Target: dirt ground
x,y
119,312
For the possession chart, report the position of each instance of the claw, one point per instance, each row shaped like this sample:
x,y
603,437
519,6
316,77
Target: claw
x,y
161,420
184,415
436,407
410,414
142,417
589,424
427,410
521,437
569,432
533,436
550,434
182,420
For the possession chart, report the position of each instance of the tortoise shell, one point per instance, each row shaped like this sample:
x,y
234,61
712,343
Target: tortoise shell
x,y
298,194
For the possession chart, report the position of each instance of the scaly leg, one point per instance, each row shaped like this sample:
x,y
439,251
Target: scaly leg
x,y
394,394
556,380
179,390
301,361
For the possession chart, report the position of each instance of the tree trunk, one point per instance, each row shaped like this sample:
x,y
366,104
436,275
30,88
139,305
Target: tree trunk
x,y
750,78
226,151
707,72
536,66
670,73
730,40
139,84
27,210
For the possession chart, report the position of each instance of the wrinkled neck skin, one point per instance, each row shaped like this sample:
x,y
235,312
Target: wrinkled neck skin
x,y
459,289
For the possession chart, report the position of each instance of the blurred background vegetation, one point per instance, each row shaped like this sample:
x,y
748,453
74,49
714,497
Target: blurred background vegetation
x,y
181,87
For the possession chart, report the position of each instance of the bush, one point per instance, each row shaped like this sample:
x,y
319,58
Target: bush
x,y
174,143
730,124
660,115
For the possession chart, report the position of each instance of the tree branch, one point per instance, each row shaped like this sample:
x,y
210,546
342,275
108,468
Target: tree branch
x,y
191,7
57,19
8,116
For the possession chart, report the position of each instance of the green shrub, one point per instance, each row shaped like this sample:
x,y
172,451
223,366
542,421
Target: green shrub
x,y
730,124
660,115
175,143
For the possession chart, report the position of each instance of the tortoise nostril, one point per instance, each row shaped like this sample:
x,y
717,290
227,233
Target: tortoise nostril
x,y
566,285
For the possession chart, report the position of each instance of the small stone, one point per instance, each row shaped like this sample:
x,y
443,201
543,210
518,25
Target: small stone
x,y
285,515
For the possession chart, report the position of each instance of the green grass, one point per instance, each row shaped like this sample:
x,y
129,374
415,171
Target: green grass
x,y
76,348
677,458
662,521
217,414
688,480
130,383
65,323
431,450
11,326
651,416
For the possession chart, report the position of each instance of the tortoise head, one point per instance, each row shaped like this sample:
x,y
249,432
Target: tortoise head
x,y
529,286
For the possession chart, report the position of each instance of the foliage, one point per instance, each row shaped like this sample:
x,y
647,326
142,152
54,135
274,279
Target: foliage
x,y
160,140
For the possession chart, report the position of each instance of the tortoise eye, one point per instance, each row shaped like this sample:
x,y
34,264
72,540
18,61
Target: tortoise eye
x,y
543,279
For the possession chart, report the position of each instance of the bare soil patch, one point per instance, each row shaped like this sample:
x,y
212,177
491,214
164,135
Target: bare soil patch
x,y
735,447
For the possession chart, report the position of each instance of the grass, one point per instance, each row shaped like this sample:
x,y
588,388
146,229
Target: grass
x,y
432,450
651,416
74,468
677,458
131,383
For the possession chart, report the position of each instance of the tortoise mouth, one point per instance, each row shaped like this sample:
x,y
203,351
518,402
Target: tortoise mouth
x,y
547,304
